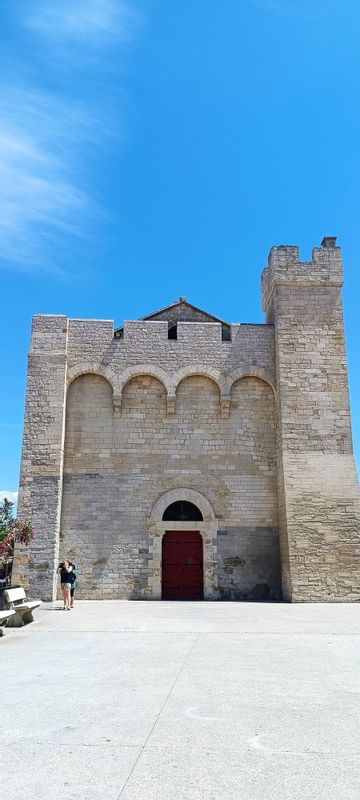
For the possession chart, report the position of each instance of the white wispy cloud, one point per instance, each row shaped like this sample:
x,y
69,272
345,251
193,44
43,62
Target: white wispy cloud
x,y
98,21
12,496
43,194
48,139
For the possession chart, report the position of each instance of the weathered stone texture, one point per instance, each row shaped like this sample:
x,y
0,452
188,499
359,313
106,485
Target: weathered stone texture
x,y
255,430
318,490
146,342
116,468
249,563
42,452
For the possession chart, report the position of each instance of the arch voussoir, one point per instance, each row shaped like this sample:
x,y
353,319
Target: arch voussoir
x,y
173,495
91,368
144,369
200,369
250,372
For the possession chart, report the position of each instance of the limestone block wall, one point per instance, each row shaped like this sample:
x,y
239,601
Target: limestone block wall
x,y
117,466
249,563
147,343
40,487
318,490
106,478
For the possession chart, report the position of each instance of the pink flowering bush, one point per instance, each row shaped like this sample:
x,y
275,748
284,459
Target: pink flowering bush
x,y
21,532
12,532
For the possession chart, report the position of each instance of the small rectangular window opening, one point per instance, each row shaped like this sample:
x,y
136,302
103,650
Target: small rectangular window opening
x,y
172,332
226,333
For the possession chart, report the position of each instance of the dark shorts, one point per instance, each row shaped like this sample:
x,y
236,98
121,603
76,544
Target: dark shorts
x,y
72,590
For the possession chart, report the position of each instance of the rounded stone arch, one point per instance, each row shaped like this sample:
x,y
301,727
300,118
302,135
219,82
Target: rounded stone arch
x,y
203,370
91,368
144,369
250,372
172,496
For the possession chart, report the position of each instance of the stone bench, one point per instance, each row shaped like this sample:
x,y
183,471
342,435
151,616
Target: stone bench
x,y
5,614
22,608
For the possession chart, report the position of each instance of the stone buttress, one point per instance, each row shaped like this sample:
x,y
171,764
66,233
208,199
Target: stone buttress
x,y
42,454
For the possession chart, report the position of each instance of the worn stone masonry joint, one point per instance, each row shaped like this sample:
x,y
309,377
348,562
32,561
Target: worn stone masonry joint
x,y
225,406
117,400
171,404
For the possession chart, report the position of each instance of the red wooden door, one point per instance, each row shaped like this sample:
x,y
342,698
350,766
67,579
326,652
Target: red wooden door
x,y
182,566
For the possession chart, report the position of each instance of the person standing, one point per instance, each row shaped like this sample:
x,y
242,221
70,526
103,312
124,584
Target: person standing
x,y
66,580
73,587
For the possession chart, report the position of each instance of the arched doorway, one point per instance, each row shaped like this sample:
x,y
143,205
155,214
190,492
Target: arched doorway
x,y
183,540
182,555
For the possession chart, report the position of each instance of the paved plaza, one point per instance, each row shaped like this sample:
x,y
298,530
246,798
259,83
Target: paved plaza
x,y
155,701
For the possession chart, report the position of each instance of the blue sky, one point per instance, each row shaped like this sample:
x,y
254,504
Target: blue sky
x,y
156,149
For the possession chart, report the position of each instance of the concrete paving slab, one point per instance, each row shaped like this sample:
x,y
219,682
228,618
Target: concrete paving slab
x,y
302,692
205,774
280,719
186,700
201,617
114,685
33,769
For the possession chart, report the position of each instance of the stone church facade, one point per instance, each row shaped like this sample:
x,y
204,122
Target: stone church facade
x,y
181,457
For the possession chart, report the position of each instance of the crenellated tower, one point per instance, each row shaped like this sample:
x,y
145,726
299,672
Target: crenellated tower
x,y
317,485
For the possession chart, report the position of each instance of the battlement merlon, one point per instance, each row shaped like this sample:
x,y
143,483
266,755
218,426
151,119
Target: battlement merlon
x,y
48,334
285,268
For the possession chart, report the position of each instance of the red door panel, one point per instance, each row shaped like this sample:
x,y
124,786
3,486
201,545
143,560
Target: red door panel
x,y
182,566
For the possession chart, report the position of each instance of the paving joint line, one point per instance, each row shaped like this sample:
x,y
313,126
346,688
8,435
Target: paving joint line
x,y
159,715
10,635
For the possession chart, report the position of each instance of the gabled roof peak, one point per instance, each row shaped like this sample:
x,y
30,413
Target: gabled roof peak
x,y
192,313
179,311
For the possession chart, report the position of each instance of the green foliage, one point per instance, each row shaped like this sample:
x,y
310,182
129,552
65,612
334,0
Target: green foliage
x,y
12,531
6,517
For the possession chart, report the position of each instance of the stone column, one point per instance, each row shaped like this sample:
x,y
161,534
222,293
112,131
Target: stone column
x,y
41,471
318,490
